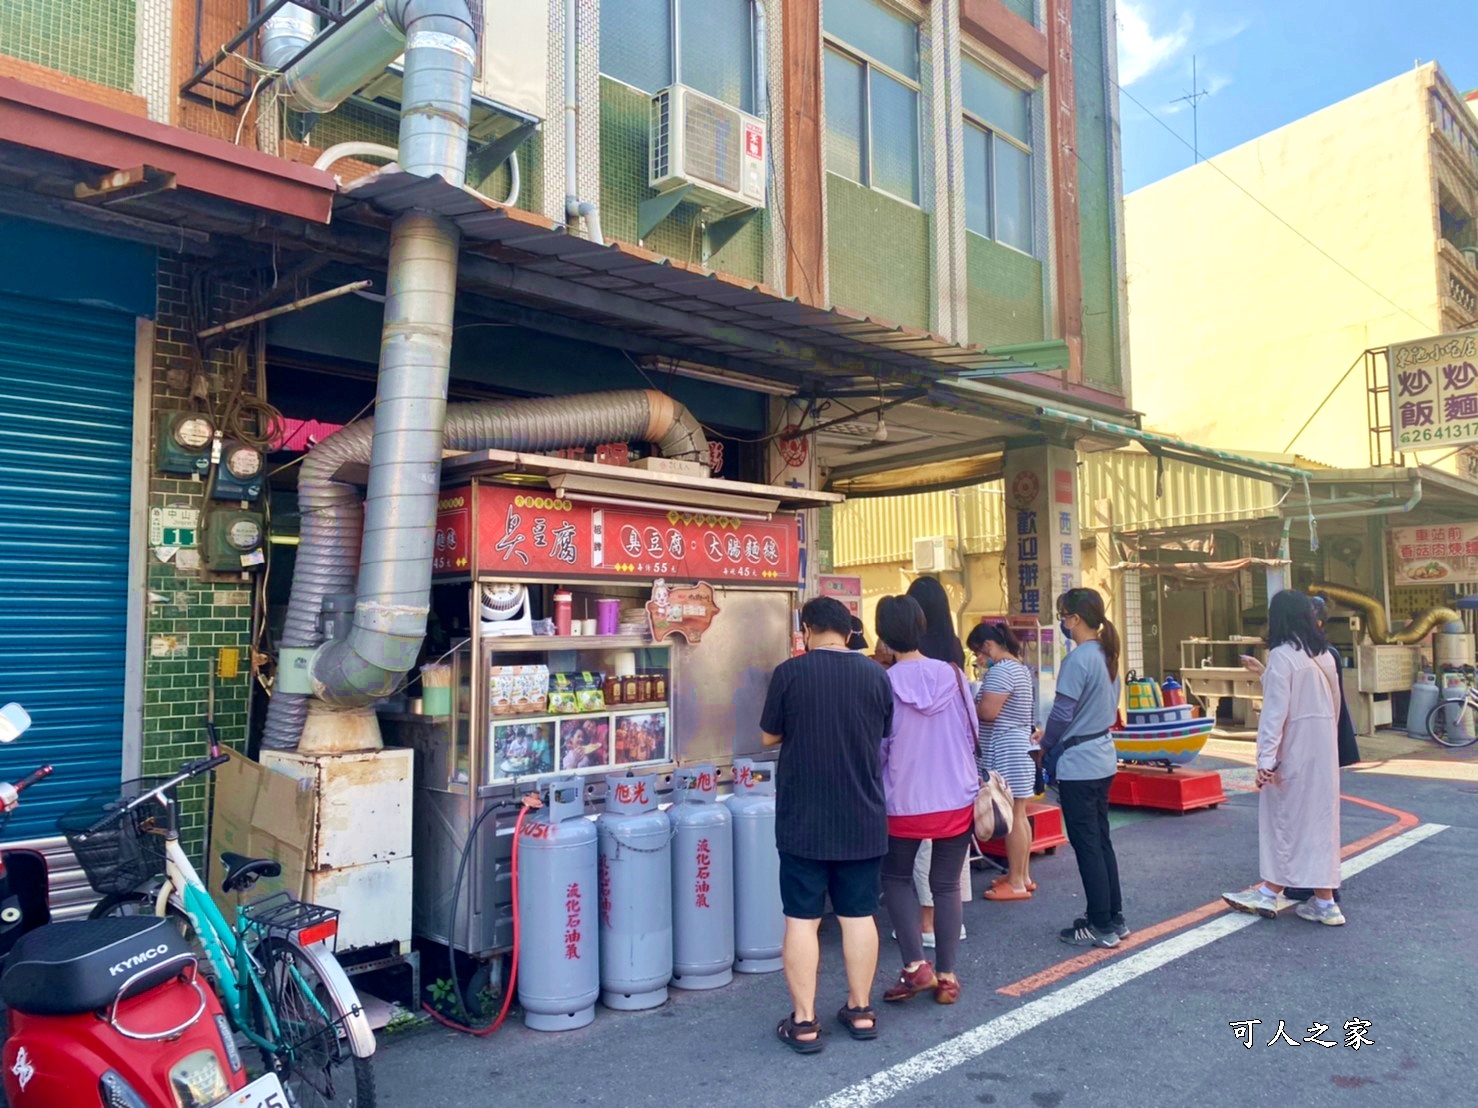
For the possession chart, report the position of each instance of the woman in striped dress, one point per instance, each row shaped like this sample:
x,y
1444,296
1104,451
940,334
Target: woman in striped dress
x,y
1007,719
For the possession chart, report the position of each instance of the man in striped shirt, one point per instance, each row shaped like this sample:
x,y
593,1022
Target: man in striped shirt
x,y
828,710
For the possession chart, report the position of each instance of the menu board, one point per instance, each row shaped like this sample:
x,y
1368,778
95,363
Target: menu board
x,y
1442,554
532,534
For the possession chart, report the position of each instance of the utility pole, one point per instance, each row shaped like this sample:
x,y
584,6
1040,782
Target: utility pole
x,y
1194,98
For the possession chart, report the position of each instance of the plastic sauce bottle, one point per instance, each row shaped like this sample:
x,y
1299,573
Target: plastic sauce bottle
x,y
564,603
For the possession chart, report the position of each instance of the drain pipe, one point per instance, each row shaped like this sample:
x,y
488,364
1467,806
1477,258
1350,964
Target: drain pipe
x,y
286,34
575,208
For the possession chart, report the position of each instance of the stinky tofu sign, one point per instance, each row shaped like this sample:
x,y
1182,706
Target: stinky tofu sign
x,y
1434,392
532,534
1445,554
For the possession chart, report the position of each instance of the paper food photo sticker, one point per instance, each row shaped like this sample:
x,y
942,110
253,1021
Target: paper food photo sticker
x,y
685,611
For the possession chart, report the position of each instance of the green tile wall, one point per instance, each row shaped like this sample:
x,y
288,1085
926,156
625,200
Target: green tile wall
x,y
625,125
90,39
878,253
1005,293
201,615
1101,362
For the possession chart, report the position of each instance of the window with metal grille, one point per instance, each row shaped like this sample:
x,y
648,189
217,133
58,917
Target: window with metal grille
x,y
872,96
707,45
998,157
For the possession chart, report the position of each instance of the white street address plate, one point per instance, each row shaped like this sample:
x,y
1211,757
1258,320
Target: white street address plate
x,y
264,1092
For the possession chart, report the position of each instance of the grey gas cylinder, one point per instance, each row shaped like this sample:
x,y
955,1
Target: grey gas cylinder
x,y
635,894
702,881
558,893
759,920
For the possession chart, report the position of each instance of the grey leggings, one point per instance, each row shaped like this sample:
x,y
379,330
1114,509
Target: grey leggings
x,y
944,882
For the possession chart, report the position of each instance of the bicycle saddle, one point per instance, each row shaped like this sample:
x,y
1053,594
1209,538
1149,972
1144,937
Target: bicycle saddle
x,y
243,872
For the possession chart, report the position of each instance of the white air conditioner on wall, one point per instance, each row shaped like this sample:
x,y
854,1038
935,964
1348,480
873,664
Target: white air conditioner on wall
x,y
938,554
702,142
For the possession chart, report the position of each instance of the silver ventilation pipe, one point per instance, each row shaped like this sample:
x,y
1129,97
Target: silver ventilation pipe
x,y
367,665
285,34
439,42
575,208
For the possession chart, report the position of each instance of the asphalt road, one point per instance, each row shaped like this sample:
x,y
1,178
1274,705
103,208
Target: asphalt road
x,y
1148,1026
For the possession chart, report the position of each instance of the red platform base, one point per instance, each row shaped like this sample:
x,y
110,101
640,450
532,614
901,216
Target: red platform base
x,y
1046,824
1177,791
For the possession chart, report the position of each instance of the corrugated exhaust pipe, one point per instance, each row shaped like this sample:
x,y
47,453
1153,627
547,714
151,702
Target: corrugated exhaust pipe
x,y
395,568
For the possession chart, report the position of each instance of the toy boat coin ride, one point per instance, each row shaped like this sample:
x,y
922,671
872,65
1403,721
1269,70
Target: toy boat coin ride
x,y
1165,736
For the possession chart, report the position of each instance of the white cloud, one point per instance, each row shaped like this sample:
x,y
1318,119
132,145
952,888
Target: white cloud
x,y
1141,50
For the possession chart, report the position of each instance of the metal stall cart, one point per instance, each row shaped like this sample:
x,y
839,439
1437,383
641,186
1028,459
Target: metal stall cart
x,y
566,569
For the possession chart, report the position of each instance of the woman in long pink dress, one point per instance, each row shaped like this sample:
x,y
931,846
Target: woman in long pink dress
x,y
1297,769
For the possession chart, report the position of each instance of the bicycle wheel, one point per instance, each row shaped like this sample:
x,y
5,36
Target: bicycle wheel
x,y
319,1070
141,903
1456,728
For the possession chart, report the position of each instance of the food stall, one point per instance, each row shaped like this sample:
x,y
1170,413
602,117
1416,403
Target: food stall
x,y
611,617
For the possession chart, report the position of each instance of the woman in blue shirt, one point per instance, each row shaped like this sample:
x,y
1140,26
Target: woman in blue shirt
x,y
1079,756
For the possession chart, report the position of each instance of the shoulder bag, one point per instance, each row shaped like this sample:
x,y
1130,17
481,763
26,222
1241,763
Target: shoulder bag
x,y
993,803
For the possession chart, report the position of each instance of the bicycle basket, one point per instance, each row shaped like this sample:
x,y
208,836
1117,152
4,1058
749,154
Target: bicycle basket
x,y
116,849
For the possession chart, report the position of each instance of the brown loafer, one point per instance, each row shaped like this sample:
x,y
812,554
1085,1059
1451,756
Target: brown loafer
x,y
946,992
910,985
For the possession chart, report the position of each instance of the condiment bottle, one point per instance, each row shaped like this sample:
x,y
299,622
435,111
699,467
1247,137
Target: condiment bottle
x,y
659,686
564,603
614,688
644,682
630,689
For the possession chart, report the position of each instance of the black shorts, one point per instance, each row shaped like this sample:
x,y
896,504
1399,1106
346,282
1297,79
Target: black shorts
x,y
805,883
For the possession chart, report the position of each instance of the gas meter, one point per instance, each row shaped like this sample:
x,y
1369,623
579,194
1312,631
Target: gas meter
x,y
241,472
236,540
182,442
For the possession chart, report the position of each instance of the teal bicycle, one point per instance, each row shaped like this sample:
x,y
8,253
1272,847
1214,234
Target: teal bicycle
x,y
275,971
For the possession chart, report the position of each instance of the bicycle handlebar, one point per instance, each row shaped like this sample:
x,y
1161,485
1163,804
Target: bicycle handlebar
x,y
187,771
26,782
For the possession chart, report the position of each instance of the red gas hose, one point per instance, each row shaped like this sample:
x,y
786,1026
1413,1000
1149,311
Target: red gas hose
x,y
481,1032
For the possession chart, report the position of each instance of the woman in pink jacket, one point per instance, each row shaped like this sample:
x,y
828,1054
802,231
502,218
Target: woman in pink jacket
x,y
929,783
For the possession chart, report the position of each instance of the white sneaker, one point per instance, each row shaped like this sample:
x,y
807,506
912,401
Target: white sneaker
x,y
1330,916
1255,902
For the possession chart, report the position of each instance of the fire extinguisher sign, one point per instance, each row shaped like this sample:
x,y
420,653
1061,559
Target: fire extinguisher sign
x,y
754,141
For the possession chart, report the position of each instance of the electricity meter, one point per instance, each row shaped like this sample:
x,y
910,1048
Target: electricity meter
x,y
235,540
182,442
241,472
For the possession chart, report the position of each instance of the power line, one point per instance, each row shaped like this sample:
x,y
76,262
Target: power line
x,y
1194,98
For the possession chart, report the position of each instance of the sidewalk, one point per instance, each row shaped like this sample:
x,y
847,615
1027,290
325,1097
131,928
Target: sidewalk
x,y
1390,753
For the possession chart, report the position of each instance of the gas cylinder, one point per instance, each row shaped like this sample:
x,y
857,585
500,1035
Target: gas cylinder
x,y
702,881
1424,697
759,920
1171,692
635,894
1454,692
558,961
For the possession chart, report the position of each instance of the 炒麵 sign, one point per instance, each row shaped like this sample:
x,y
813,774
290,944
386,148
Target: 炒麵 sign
x,y
1442,554
1434,392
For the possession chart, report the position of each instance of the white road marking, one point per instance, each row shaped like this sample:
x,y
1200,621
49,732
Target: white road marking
x,y
972,1044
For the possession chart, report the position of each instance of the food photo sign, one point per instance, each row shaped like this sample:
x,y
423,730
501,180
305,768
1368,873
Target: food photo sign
x,y
1442,554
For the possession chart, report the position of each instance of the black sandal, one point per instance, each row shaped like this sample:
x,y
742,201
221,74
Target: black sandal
x,y
788,1030
849,1018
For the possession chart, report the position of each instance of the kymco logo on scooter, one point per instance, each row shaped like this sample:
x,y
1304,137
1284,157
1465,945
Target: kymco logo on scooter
x,y
138,960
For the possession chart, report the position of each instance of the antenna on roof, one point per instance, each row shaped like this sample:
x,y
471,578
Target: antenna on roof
x,y
1194,98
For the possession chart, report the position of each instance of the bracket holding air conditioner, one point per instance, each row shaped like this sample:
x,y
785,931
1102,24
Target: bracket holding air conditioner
x,y
655,209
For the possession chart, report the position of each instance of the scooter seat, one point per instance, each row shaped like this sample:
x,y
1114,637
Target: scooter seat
x,y
64,969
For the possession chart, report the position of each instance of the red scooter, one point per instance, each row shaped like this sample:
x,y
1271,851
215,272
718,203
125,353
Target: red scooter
x,y
108,1013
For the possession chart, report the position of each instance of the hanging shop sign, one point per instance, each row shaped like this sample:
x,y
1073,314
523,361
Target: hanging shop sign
x,y
534,534
1445,554
1434,392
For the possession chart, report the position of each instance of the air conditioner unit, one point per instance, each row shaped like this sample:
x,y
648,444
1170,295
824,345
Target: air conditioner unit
x,y
705,143
938,554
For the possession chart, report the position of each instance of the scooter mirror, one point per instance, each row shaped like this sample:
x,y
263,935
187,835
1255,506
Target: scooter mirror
x,y
13,722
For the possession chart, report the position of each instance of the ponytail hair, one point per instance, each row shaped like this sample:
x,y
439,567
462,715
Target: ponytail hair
x,y
1088,606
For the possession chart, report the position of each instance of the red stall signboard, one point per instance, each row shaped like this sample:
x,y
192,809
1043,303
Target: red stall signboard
x,y
533,534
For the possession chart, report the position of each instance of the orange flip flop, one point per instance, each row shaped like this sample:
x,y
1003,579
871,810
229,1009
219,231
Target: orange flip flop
x,y
1002,882
1005,892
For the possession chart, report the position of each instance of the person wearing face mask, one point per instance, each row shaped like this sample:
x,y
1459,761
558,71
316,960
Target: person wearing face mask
x,y
1078,754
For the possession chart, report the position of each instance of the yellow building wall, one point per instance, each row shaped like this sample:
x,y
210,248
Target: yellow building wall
x,y
987,589
1238,327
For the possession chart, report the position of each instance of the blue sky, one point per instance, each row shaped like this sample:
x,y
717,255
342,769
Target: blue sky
x,y
1268,62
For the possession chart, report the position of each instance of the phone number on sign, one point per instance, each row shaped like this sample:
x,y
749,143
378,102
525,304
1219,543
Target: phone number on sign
x,y
1445,433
